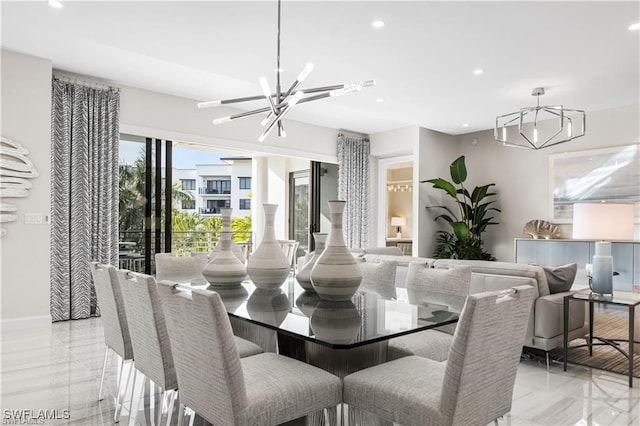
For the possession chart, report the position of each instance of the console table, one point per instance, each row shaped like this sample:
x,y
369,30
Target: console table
x,y
404,244
556,252
630,300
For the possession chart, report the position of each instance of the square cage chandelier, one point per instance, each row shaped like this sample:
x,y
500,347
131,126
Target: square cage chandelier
x,y
280,103
522,128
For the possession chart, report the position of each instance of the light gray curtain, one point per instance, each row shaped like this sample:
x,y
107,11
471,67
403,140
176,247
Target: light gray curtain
x,y
84,192
353,186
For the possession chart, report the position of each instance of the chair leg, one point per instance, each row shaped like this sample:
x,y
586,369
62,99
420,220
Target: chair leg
x,y
172,395
122,391
134,397
104,368
548,363
181,413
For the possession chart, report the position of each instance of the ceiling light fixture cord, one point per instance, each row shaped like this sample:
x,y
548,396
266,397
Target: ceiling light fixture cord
x,y
280,104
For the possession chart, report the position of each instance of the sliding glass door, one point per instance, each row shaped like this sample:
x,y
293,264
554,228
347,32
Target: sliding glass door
x,y
145,201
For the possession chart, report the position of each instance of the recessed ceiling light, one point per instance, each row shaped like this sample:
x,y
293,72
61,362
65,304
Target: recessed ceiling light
x,y
478,71
379,100
465,125
54,3
377,24
635,27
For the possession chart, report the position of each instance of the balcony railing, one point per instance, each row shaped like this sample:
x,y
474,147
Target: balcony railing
x,y
188,241
213,210
213,191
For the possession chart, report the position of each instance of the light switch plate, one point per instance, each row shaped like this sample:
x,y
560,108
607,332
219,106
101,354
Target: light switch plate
x,y
33,218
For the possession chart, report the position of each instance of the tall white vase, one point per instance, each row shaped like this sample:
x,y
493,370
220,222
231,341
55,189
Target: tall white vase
x,y
268,266
336,275
225,212
225,269
304,275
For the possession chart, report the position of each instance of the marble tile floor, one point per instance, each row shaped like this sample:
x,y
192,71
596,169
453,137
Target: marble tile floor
x,y
57,368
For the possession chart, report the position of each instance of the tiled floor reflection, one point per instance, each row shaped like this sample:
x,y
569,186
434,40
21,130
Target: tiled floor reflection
x,y
58,368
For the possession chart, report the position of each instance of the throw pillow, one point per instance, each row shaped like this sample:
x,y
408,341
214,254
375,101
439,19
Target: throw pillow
x,y
560,278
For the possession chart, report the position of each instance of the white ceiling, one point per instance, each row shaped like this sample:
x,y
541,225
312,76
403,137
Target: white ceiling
x,y
423,59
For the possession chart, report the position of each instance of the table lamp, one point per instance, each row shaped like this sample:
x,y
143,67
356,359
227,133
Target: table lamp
x,y
399,222
603,221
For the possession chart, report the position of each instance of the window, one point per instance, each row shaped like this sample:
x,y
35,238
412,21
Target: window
x,y
218,187
188,184
245,204
188,204
245,182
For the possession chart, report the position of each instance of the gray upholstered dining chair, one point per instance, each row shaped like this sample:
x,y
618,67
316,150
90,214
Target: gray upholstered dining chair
x,y
117,338
149,337
225,389
447,287
379,277
473,387
172,267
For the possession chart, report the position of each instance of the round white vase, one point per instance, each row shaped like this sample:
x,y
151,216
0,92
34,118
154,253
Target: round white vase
x,y
268,305
336,322
225,269
225,212
304,275
268,266
336,275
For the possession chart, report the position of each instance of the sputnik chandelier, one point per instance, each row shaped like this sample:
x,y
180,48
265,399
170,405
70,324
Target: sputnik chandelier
x,y
281,102
522,128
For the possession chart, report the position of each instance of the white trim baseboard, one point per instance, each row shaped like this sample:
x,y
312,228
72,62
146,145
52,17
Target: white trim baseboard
x,y
22,323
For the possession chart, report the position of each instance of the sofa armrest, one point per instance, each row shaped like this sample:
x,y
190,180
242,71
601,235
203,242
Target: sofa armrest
x,y
548,312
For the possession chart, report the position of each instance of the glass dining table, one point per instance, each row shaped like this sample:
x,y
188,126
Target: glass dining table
x,y
340,337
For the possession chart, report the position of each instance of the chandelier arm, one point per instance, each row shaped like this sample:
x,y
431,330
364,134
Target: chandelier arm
x,y
241,115
273,122
230,101
323,89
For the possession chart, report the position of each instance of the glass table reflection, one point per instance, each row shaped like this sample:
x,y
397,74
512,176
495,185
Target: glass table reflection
x,y
341,337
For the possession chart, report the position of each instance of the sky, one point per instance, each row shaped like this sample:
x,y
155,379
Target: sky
x,y
183,158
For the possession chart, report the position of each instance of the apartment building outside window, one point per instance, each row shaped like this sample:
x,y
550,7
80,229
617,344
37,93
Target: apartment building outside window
x,y
188,204
245,204
245,182
188,184
218,187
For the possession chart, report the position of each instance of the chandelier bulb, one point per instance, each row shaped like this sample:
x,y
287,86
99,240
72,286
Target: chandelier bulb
x,y
209,104
265,87
535,134
295,98
305,72
221,120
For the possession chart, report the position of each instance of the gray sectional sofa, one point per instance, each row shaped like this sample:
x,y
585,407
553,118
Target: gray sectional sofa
x,y
545,329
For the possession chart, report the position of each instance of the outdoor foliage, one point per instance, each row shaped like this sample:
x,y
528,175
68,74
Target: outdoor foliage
x,y
191,232
469,222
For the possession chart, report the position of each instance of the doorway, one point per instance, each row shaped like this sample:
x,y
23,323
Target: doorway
x,y
397,217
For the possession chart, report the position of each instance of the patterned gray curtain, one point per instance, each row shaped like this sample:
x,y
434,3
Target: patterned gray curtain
x,y
84,193
353,186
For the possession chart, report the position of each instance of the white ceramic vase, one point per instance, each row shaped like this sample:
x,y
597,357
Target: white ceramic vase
x,y
336,322
268,266
268,305
225,212
336,275
225,270
304,275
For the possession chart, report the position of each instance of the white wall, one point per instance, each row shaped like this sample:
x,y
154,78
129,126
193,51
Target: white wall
x,y
24,251
435,152
521,175
154,114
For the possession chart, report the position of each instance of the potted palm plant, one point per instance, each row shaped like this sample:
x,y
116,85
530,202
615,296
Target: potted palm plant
x,y
471,219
